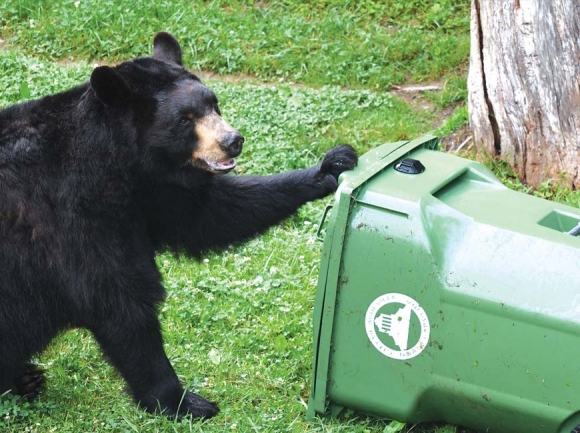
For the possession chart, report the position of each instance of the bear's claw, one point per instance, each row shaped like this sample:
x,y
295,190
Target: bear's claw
x,y
29,384
198,406
339,159
192,405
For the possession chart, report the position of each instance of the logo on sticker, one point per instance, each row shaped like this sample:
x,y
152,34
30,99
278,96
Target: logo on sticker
x,y
397,326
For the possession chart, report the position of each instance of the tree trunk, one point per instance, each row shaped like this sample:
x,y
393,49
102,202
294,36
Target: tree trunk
x,y
524,86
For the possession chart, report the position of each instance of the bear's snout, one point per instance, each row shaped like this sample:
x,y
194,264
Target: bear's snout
x,y
232,143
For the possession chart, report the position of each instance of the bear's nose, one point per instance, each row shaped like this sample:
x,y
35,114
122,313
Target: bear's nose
x,y
232,143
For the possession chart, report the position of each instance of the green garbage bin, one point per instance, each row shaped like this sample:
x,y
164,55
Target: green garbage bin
x,y
445,296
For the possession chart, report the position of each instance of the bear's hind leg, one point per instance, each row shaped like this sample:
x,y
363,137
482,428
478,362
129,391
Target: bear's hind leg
x,y
135,347
27,382
30,382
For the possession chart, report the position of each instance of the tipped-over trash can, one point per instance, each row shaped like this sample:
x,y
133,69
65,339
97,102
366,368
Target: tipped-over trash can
x,y
445,296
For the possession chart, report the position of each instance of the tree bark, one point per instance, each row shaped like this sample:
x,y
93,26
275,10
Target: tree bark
x,y
524,86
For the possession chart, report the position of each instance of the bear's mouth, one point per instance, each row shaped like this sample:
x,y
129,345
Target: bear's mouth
x,y
220,166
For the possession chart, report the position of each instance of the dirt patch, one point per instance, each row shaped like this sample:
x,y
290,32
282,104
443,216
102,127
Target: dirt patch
x,y
412,94
228,78
460,140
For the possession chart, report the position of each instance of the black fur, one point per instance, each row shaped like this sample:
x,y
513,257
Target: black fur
x,y
93,182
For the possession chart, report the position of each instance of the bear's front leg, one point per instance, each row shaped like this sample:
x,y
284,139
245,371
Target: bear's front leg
x,y
188,215
135,347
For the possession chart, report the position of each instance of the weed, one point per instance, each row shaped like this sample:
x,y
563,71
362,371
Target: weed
x,y
458,119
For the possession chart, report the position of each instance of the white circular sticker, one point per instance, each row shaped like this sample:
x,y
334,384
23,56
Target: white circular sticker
x,y
389,321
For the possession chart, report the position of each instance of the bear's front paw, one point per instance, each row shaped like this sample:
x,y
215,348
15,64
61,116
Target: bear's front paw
x,y
180,403
338,159
196,406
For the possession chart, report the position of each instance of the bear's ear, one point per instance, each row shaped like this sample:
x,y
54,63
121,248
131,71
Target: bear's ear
x,y
110,87
166,47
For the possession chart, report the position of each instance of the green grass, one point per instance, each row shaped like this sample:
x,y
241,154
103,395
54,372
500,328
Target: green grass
x,y
549,189
308,75
367,45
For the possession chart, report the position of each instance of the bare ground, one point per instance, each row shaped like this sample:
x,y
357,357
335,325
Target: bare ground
x,y
413,95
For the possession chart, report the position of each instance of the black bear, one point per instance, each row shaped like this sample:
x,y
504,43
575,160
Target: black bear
x,y
97,179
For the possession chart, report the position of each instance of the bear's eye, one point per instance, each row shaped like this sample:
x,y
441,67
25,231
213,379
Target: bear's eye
x,y
184,120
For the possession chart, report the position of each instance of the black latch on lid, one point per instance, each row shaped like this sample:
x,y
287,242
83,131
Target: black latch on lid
x,y
410,166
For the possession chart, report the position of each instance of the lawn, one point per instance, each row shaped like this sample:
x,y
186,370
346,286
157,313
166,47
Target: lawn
x,y
296,78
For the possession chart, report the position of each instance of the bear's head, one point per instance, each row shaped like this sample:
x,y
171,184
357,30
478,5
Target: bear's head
x,y
178,119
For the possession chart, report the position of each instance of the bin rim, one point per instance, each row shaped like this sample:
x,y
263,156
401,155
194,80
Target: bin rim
x,y
352,180
329,268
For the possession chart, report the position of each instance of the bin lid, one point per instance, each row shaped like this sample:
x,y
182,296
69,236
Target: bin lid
x,y
378,159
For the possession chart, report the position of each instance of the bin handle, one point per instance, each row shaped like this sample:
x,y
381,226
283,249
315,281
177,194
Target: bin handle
x,y
575,231
321,223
